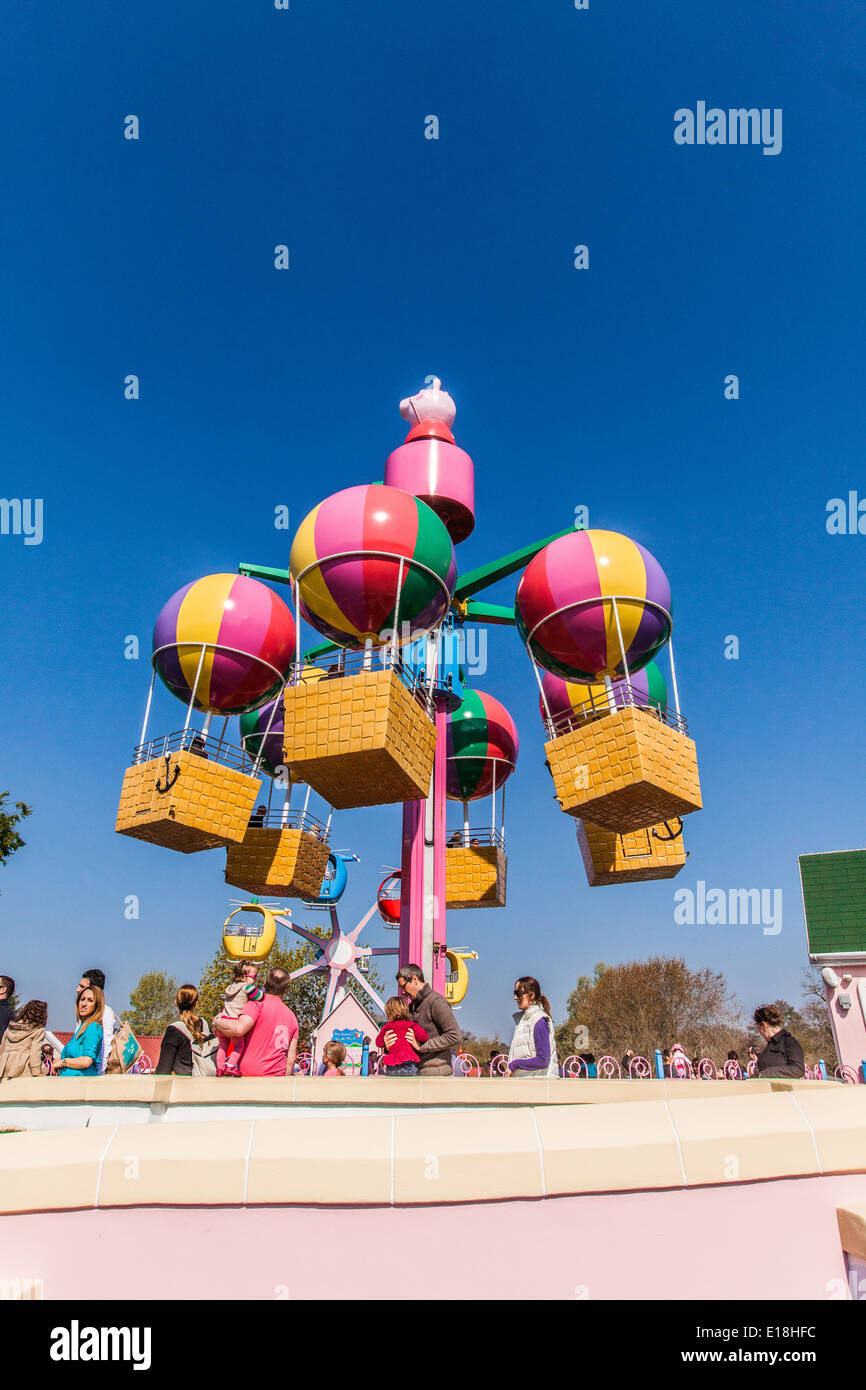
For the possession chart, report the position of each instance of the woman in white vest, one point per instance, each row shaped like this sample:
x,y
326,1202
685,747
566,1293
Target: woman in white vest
x,y
533,1047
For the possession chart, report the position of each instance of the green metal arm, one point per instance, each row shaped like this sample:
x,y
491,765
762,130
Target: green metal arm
x,y
284,577
324,649
496,613
263,572
471,583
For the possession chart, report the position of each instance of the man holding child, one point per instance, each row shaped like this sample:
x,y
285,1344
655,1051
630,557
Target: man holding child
x,y
438,1034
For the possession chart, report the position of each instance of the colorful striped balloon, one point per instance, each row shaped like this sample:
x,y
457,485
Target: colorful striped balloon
x,y
481,739
346,558
254,736
587,568
243,624
568,697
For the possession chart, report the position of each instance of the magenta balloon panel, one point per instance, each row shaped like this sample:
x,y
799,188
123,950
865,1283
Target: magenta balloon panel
x,y
248,634
346,557
481,742
564,609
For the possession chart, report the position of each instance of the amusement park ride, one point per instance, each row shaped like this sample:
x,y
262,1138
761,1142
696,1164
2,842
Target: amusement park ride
x,y
380,711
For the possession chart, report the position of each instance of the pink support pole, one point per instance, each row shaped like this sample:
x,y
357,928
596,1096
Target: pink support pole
x,y
440,964
412,884
422,885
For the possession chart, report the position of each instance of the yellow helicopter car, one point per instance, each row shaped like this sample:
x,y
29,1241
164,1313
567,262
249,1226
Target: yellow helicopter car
x,y
251,940
457,979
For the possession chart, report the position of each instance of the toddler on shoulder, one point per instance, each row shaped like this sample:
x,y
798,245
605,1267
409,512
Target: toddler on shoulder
x,y
241,990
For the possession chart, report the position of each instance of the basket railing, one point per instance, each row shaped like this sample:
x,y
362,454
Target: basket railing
x,y
600,705
353,663
290,820
475,838
210,747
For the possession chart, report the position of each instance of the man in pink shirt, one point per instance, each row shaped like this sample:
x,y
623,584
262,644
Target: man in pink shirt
x,y
270,1028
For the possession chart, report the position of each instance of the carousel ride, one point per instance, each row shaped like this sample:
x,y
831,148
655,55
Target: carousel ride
x,y
380,712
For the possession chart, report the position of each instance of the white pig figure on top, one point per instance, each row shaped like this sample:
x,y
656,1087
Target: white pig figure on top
x,y
430,403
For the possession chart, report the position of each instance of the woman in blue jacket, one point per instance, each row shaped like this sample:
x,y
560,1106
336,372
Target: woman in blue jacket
x,y
80,1056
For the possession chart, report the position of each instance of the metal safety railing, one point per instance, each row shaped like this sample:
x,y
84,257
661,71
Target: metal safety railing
x,y
600,705
353,663
216,750
475,839
290,820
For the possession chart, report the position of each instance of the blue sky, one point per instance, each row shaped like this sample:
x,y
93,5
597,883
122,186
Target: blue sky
x,y
411,256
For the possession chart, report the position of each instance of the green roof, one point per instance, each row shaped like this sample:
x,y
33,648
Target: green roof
x,y
834,899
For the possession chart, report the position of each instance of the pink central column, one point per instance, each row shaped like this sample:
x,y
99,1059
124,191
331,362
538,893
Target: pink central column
x,y
422,887
412,884
440,964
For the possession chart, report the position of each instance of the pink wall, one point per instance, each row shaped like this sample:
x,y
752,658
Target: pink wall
x,y
849,1025
697,1243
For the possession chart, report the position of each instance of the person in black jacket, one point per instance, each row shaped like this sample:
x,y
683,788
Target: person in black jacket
x,y
783,1055
7,991
188,1032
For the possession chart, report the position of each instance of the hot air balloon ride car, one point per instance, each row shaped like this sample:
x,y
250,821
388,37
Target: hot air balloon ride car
x,y
609,857
481,754
222,645
373,570
284,851
594,606
635,857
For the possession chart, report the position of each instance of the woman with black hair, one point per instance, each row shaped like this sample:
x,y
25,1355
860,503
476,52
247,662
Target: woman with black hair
x,y
533,1047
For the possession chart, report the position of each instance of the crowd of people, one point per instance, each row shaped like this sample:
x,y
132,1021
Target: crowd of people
x,y
782,1056
256,1033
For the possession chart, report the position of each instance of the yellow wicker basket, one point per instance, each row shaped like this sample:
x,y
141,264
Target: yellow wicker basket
x,y
632,858
287,863
359,740
186,802
625,771
475,877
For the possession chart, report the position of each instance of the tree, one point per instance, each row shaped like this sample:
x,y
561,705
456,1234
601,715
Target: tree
x,y
10,840
482,1048
305,997
655,1003
812,984
151,1004
648,1004
816,1035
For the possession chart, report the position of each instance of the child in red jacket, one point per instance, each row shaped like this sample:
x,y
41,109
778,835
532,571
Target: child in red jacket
x,y
402,1060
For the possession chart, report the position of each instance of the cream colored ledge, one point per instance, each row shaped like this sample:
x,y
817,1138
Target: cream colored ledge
x,y
428,1154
